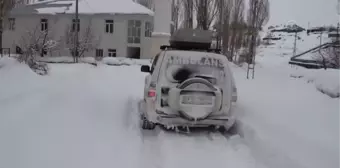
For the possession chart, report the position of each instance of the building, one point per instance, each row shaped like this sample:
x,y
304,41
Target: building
x,y
30,1
120,28
147,3
162,22
25,2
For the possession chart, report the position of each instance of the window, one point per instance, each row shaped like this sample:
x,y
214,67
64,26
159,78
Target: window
x,y
11,22
99,53
134,31
44,24
112,52
148,29
109,26
75,25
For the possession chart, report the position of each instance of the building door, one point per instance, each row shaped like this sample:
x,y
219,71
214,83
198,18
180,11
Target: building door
x,y
133,52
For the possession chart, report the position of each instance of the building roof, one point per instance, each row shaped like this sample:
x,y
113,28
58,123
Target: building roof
x,y
89,7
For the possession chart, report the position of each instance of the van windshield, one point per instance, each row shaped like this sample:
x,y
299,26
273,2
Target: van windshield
x,y
194,66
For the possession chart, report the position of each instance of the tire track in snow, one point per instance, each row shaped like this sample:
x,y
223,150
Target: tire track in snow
x,y
168,150
152,155
262,150
131,114
266,152
149,145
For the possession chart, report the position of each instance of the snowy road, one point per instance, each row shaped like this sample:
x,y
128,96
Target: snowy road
x,y
176,150
84,117
81,116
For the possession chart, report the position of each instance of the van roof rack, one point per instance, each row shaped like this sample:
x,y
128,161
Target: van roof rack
x,y
169,47
191,39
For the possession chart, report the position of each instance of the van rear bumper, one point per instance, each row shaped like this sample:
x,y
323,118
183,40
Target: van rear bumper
x,y
179,121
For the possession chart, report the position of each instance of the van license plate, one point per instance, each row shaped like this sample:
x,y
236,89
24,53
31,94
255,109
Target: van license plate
x,y
197,100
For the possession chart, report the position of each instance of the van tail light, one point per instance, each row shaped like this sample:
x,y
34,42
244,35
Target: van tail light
x,y
152,93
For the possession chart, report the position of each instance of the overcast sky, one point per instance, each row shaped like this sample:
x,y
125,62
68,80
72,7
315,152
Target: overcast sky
x,y
317,12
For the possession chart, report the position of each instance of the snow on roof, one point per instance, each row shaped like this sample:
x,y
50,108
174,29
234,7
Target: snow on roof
x,y
161,34
91,7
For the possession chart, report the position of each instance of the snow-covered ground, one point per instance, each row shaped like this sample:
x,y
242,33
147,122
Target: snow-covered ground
x,y
280,52
284,46
91,60
288,115
85,116
287,122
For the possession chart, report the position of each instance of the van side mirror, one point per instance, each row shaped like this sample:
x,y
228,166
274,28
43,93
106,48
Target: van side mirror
x,y
145,68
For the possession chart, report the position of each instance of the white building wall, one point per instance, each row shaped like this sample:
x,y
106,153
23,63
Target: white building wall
x,y
58,24
162,22
117,40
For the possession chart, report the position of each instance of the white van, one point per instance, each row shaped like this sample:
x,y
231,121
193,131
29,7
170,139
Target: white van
x,y
189,85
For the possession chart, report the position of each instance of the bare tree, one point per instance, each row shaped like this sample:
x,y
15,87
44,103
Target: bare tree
x,y
219,22
236,26
206,12
258,16
188,8
259,11
34,43
329,56
226,19
262,13
176,13
87,41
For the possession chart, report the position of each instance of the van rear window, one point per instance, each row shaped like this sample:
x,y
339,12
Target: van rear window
x,y
196,66
202,62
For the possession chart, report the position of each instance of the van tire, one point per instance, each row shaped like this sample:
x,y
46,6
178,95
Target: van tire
x,y
147,125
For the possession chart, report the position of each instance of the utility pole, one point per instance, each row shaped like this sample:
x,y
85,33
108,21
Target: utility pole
x,y
320,38
323,58
294,48
308,25
76,37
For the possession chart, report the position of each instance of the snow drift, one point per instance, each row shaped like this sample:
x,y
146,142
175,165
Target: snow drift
x,y
325,81
81,116
115,61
